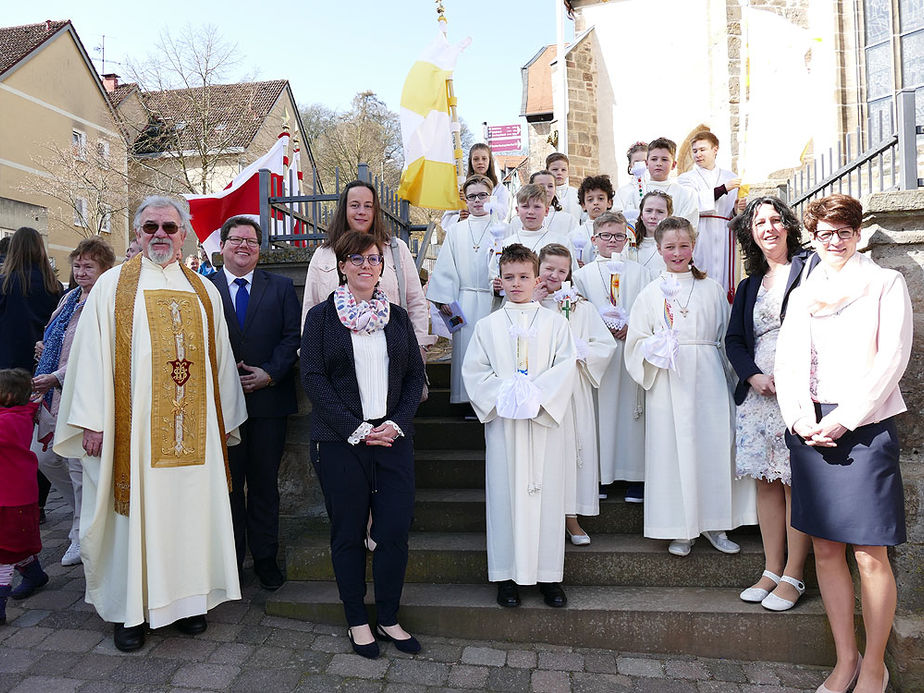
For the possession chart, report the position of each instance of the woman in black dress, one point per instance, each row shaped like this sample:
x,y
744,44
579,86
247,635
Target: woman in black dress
x,y
842,350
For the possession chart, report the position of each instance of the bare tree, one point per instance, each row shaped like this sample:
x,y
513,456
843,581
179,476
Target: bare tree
x,y
195,122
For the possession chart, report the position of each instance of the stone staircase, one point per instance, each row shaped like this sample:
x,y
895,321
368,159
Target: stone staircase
x,y
624,592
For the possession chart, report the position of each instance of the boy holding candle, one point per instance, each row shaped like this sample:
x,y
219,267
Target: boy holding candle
x,y
519,371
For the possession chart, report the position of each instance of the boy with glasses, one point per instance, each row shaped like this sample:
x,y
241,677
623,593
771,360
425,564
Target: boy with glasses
x,y
612,285
462,274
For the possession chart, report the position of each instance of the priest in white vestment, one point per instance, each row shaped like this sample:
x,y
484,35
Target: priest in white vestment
x,y
519,371
612,284
716,193
150,407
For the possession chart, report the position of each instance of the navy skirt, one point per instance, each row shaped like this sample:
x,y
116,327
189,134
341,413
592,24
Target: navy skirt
x,y
851,493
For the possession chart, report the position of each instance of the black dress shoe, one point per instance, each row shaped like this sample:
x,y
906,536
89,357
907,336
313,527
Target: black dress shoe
x,y
128,639
508,594
553,594
408,645
192,625
268,574
369,651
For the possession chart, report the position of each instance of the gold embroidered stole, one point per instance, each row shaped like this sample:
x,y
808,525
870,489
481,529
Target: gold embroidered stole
x,y
126,291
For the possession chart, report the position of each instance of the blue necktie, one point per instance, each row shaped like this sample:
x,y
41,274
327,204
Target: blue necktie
x,y
241,300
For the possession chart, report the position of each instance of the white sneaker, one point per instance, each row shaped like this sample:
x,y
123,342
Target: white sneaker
x,y
721,542
681,547
72,555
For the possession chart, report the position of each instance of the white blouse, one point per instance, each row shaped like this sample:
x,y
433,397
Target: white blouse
x,y
370,353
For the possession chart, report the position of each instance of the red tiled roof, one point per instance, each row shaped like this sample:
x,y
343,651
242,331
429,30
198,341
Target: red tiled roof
x,y
119,94
16,42
190,113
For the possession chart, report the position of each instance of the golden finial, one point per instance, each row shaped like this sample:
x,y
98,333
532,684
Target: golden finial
x,y
440,12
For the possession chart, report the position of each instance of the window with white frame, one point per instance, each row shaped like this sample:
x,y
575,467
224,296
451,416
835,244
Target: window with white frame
x,y
79,144
80,212
887,23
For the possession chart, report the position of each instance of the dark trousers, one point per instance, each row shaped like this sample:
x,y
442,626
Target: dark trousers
x,y
355,480
256,461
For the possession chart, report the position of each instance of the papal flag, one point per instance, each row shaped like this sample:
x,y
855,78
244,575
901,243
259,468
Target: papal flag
x,y
429,175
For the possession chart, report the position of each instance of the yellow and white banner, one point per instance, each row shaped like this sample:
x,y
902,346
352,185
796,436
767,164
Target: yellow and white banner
x,y
429,175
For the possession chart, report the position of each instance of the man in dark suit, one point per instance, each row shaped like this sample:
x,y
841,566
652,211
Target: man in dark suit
x,y
263,315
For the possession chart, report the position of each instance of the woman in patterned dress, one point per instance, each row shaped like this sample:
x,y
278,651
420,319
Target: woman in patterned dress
x,y
770,239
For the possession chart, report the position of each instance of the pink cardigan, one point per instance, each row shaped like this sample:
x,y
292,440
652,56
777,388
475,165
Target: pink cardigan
x,y
18,464
860,322
322,279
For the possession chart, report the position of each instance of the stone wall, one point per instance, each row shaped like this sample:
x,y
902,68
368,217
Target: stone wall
x,y
894,237
539,146
583,142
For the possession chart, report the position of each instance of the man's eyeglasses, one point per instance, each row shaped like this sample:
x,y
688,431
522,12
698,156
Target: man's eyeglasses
x,y
150,227
612,236
236,241
477,196
372,259
845,233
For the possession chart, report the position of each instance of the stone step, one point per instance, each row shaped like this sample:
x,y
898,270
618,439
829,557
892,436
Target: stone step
x,y
704,622
610,559
462,510
437,405
449,468
448,433
438,373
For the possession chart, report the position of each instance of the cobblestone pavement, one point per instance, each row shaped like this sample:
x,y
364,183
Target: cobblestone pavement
x,y
55,643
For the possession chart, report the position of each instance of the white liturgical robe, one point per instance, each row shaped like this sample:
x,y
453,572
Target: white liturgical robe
x,y
463,273
173,555
595,347
525,458
714,248
690,484
552,231
620,403
684,202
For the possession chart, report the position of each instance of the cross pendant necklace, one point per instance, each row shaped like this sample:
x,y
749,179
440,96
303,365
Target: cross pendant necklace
x,y
684,309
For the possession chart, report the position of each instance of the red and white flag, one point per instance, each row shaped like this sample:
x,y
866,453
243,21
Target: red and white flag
x,y
240,197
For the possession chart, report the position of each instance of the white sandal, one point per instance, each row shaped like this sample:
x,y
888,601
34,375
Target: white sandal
x,y
756,595
775,603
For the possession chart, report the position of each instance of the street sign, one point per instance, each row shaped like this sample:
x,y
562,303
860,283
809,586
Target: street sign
x,y
504,138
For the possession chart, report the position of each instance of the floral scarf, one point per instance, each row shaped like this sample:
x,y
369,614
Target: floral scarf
x,y
53,338
364,317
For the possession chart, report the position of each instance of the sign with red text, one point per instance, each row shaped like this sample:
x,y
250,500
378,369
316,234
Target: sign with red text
x,y
504,138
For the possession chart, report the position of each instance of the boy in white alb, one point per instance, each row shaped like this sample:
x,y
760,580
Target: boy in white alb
x,y
533,228
660,162
519,371
715,190
612,285
596,197
558,165
462,273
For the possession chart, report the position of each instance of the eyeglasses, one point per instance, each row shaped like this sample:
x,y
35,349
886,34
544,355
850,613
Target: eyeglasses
x,y
358,259
612,236
169,227
236,241
477,196
845,233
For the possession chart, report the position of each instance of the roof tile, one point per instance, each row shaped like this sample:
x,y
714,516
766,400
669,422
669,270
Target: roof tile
x,y
16,42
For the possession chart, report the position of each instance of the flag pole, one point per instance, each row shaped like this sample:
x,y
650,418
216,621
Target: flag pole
x,y
453,103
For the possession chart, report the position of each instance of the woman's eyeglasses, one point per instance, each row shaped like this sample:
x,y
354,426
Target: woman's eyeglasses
x,y
845,233
372,259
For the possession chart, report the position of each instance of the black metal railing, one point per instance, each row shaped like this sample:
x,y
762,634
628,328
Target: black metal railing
x,y
858,166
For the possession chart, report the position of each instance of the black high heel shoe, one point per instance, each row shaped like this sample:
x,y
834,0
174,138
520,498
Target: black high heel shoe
x,y
409,645
369,651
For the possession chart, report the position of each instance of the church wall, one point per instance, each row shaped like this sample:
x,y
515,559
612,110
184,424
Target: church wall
x,y
539,147
583,141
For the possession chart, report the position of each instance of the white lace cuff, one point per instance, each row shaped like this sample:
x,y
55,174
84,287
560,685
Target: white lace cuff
x,y
364,429
519,398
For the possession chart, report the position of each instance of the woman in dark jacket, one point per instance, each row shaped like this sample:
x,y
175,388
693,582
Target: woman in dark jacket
x,y
362,371
29,293
770,239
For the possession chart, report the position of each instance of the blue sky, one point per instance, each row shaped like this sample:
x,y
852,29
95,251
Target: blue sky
x,y
329,51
